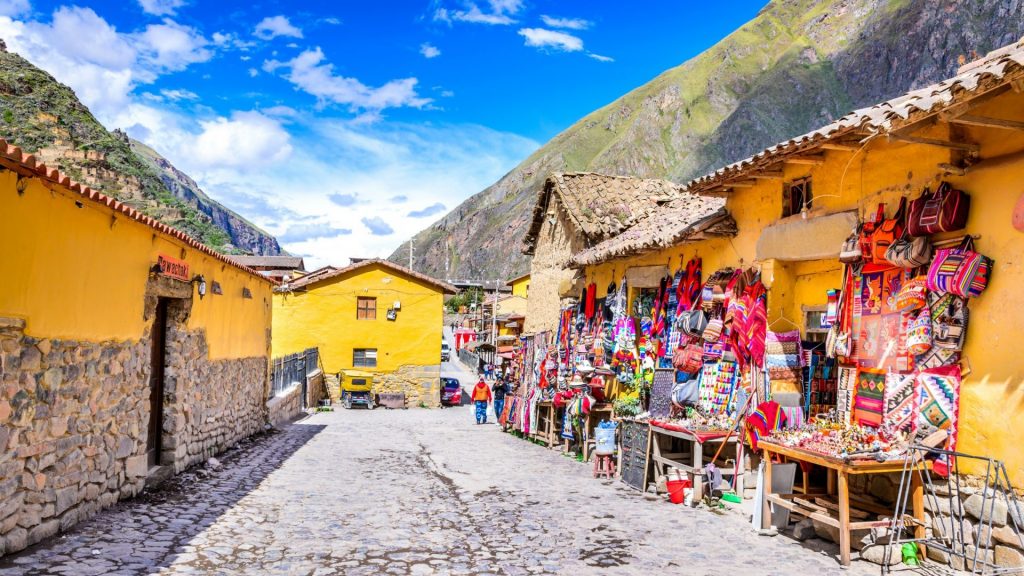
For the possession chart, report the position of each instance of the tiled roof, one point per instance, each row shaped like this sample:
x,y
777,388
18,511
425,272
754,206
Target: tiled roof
x,y
599,205
275,262
690,216
993,71
318,277
13,158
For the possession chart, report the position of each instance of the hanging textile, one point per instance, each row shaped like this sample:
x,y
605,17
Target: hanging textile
x,y
590,306
766,418
784,356
899,401
718,386
869,397
845,385
688,291
882,331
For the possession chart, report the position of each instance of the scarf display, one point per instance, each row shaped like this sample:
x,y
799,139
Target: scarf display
x,y
783,357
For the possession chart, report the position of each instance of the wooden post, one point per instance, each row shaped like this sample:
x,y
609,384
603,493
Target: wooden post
x,y
698,475
844,519
917,498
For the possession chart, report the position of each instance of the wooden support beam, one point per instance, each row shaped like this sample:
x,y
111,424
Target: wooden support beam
x,y
964,146
952,169
839,147
984,121
767,175
962,108
814,159
1018,85
743,184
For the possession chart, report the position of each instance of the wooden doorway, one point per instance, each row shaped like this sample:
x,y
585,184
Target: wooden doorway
x,y
158,358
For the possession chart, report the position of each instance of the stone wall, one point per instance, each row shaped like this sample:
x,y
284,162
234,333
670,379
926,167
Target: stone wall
x,y
556,245
286,406
316,389
74,422
420,384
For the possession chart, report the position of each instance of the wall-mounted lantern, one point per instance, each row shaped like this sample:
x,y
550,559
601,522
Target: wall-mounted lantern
x,y
200,282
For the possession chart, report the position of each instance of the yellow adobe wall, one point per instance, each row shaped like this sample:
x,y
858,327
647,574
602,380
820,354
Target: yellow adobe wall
x,y
512,305
521,286
325,317
992,396
81,272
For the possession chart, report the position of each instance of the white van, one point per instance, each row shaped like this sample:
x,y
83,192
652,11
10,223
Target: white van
x,y
446,351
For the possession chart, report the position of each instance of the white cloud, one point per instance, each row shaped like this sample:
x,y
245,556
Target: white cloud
x,y
245,140
600,58
171,47
14,7
543,38
161,7
429,51
274,26
310,73
498,12
569,23
253,72
179,94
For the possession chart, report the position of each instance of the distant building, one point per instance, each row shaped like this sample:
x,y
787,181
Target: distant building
x,y
520,285
279,268
374,316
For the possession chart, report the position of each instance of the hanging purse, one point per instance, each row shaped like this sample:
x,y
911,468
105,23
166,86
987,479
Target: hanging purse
x,y
850,252
949,321
944,211
867,231
886,232
909,251
692,323
919,333
960,270
913,295
688,360
713,330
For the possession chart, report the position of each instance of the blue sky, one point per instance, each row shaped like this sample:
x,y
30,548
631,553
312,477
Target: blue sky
x,y
345,127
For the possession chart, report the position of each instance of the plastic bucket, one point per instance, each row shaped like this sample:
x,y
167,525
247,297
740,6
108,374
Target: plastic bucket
x,y
605,440
675,490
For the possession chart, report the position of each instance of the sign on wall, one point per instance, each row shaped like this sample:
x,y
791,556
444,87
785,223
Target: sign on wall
x,y
172,267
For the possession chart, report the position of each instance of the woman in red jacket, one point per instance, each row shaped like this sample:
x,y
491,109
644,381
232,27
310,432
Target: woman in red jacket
x,y
481,396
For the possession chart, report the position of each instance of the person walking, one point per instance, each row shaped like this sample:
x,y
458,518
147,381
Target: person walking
x,y
500,389
481,396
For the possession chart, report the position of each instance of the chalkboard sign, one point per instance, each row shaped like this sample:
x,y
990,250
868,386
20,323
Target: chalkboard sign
x,y
633,458
661,393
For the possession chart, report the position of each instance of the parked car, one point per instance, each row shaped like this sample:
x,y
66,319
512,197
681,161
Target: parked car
x,y
446,352
451,392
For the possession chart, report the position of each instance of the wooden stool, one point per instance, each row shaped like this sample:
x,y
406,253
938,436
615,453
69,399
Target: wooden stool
x,y
604,465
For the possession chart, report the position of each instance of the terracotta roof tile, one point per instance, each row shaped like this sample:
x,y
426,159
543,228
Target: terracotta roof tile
x,y
319,277
27,165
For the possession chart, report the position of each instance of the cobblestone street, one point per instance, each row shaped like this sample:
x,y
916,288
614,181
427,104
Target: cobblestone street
x,y
407,492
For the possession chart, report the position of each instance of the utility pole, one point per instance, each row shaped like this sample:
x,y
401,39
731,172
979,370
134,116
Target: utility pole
x,y
494,318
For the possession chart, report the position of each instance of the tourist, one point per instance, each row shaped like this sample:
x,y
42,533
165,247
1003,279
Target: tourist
x,y
500,389
481,396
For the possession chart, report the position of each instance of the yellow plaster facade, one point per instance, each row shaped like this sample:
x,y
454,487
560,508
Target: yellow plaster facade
x,y
323,315
78,270
520,286
992,393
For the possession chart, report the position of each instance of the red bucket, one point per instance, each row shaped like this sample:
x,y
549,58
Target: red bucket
x,y
675,490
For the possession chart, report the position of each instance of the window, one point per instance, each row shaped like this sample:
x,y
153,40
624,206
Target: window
x,y
366,308
796,196
814,318
364,358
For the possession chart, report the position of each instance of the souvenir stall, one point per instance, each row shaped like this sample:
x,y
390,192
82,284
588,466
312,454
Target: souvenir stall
x,y
891,363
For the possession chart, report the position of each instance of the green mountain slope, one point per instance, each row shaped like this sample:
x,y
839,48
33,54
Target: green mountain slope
x,y
796,66
45,118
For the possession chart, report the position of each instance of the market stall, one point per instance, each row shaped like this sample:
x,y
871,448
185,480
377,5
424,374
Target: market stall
x,y
674,446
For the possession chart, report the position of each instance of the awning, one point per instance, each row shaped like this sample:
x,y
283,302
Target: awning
x,y
507,355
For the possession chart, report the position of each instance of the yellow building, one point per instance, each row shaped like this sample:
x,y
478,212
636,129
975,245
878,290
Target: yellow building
x,y
795,203
520,286
122,341
374,316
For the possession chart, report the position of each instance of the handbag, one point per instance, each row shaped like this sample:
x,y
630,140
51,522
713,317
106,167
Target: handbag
x,y
960,270
687,392
688,360
919,333
867,231
886,232
949,321
909,251
913,295
945,210
713,330
850,252
692,322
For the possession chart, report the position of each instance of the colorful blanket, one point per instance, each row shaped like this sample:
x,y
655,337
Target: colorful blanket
x,y
938,400
845,385
899,400
869,398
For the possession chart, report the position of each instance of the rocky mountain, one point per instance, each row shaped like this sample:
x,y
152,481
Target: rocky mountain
x,y
45,118
798,65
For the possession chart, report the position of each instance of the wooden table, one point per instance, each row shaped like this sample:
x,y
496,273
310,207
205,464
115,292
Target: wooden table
x,y
838,484
692,461
546,429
